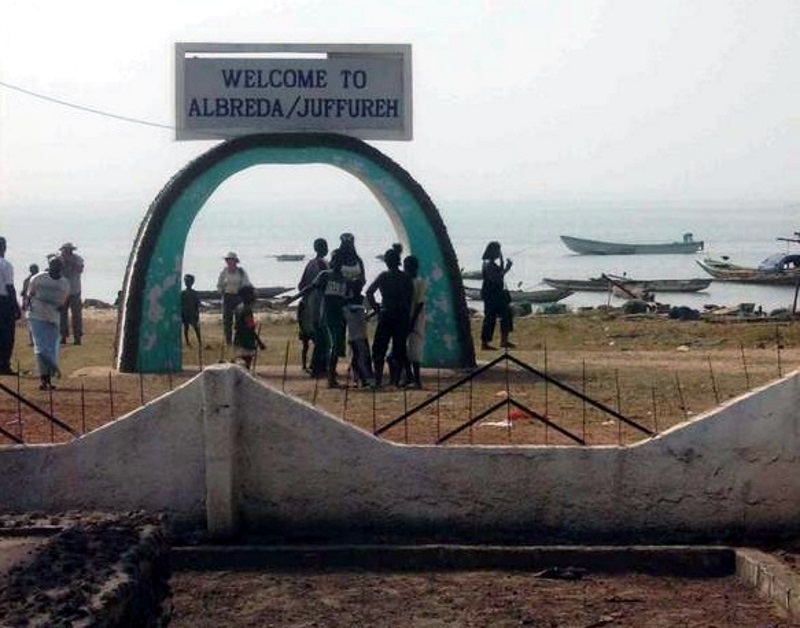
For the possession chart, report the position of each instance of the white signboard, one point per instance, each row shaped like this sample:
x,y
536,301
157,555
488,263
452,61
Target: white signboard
x,y
227,90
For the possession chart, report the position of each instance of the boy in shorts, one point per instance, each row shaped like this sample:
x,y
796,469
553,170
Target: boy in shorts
x,y
355,317
190,310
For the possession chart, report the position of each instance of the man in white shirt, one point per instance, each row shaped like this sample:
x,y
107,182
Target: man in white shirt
x,y
232,279
9,311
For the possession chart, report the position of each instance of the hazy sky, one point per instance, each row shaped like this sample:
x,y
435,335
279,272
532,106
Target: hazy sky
x,y
652,100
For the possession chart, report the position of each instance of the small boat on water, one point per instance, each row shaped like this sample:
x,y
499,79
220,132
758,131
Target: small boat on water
x,y
602,284
596,247
289,257
471,274
546,295
782,269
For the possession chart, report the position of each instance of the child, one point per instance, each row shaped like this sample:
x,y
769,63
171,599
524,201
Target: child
x,y
190,310
245,337
355,317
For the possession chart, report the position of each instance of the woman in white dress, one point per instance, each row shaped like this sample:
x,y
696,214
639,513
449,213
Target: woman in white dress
x,y
47,296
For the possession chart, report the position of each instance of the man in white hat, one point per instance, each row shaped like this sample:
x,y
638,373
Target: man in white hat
x,y
232,279
72,269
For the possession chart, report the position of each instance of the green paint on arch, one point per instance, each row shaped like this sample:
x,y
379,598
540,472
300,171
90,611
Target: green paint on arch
x,y
149,338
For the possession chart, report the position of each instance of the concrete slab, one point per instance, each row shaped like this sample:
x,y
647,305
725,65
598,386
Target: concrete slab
x,y
771,578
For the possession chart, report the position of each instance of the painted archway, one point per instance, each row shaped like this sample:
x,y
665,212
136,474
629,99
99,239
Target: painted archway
x,y
149,332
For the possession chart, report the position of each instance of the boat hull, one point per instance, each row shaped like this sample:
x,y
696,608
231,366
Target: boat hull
x,y
551,295
742,274
601,284
290,257
596,247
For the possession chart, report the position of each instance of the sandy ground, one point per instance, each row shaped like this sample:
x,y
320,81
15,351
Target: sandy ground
x,y
463,599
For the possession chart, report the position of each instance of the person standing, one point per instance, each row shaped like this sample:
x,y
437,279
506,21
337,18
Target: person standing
x,y
496,301
416,326
309,310
232,279
190,310
355,317
9,311
48,293
245,337
394,314
340,285
33,270
72,269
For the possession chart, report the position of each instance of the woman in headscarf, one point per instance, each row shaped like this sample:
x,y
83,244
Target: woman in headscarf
x,y
47,295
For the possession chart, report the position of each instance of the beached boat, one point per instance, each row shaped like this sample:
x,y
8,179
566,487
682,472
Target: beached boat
x,y
471,274
546,295
601,284
782,269
596,247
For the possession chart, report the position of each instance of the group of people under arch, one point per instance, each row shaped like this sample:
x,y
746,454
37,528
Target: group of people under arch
x,y
333,314
335,308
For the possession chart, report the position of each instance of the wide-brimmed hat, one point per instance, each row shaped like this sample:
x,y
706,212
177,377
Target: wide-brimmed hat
x,y
68,246
231,255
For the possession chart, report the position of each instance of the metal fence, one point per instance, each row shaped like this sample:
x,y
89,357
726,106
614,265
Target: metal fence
x,y
506,401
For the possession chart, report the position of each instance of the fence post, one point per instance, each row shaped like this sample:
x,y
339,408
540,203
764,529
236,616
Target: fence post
x,y
583,400
285,367
83,408
680,396
713,380
744,365
110,398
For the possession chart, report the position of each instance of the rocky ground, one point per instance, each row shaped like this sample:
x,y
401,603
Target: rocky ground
x,y
78,569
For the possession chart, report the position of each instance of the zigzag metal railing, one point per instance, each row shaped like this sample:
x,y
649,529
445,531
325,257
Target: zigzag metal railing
x,y
507,357
519,406
47,415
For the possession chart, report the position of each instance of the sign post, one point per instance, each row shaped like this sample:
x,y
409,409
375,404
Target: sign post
x,y
228,90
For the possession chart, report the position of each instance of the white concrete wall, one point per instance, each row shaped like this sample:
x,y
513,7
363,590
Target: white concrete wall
x,y
250,458
151,459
